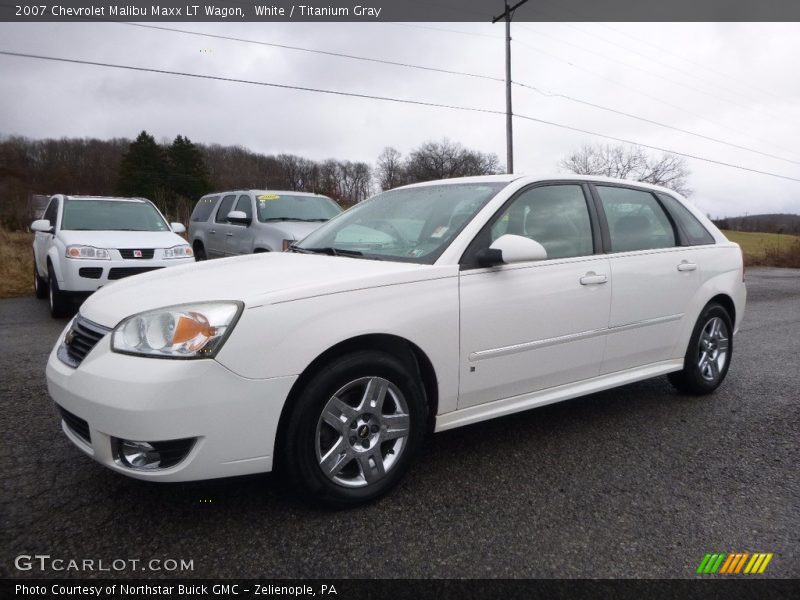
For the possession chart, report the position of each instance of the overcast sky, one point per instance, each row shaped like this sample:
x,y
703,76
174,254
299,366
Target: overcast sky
x,y
732,81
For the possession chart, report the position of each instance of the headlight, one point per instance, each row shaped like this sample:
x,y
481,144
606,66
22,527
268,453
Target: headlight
x,y
184,251
184,331
88,252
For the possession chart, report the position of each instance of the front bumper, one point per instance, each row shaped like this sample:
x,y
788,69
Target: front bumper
x,y
234,419
85,275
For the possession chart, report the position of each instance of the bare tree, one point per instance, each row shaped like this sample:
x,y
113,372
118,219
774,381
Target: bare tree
x,y
390,171
634,163
446,159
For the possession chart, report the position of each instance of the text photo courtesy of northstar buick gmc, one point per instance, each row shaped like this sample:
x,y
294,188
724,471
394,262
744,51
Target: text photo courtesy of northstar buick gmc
x,y
425,308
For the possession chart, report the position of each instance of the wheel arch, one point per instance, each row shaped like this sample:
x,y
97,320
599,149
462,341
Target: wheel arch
x,y
397,346
727,303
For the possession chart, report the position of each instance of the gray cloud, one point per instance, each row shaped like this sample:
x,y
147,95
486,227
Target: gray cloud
x,y
739,86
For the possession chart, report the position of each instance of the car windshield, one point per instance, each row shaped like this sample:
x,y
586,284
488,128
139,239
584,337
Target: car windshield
x,y
111,215
295,207
409,224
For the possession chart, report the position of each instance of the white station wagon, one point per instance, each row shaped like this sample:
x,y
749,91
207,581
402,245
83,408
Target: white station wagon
x,y
425,308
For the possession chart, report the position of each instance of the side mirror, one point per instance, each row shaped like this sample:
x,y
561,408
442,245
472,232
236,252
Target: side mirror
x,y
509,249
239,217
177,227
42,226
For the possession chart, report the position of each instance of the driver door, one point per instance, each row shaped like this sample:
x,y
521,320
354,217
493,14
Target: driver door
x,y
534,325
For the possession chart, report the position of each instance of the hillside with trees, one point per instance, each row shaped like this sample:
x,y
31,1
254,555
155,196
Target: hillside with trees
x,y
174,175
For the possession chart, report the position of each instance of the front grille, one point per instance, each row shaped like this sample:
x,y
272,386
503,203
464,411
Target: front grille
x,y
77,425
129,253
91,272
79,341
120,272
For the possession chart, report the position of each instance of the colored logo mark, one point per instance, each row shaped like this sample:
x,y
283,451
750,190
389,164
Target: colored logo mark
x,y
734,563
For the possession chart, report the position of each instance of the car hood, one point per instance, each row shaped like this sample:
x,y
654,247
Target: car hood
x,y
255,279
294,230
122,239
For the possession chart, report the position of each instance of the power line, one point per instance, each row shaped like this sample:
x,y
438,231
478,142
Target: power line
x,y
390,99
658,99
455,72
317,51
651,121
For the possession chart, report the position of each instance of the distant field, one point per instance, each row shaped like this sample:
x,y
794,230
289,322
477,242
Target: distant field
x,y
761,248
16,264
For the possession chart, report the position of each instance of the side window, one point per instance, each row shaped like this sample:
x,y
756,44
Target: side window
x,y
245,204
204,208
556,216
51,213
693,230
224,208
636,220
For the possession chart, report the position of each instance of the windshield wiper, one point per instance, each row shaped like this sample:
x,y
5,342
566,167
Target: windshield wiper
x,y
292,219
330,250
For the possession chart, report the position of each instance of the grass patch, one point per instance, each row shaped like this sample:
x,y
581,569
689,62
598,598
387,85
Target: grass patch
x,y
767,249
16,264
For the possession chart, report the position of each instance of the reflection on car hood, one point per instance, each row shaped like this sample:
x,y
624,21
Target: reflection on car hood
x,y
122,239
255,279
294,230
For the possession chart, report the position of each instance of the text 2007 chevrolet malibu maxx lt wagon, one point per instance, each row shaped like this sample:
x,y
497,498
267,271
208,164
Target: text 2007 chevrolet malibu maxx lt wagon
x,y
425,308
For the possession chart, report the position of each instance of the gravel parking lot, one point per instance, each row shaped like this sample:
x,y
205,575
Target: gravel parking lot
x,y
634,482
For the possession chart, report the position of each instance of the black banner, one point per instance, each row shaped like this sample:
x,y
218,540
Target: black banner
x,y
397,589
397,10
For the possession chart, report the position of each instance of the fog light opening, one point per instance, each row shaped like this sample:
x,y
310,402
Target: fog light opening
x,y
139,455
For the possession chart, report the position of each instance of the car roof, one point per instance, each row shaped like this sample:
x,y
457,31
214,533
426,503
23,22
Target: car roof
x,y
107,198
544,177
251,191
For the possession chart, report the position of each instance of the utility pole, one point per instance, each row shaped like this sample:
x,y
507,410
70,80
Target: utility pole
x,y
507,15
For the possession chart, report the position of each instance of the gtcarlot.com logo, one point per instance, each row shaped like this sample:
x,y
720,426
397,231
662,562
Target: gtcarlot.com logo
x,y
734,563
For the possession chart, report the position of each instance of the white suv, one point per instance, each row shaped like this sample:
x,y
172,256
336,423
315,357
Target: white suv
x,y
83,243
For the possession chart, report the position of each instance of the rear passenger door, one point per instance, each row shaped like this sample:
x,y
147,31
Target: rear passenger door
x,y
217,245
240,236
653,277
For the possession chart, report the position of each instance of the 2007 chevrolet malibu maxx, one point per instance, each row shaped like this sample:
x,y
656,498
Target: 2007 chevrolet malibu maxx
x,y
425,308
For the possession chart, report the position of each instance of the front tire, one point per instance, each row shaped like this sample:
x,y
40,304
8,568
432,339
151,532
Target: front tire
x,y
200,253
708,355
354,429
59,303
39,283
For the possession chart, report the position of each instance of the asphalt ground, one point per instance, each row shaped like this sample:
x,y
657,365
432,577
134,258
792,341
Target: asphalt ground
x,y
634,482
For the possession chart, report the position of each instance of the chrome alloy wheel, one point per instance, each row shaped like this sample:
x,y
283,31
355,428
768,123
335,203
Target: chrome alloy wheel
x,y
713,349
362,432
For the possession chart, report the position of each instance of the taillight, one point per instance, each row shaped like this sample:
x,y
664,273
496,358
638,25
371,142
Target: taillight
x,y
743,265
286,244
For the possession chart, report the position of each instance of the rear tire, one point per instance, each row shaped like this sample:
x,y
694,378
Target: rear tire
x,y
39,283
354,429
59,303
708,355
200,253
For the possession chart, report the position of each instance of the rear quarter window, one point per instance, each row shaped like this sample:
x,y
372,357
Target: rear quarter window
x,y
204,208
693,231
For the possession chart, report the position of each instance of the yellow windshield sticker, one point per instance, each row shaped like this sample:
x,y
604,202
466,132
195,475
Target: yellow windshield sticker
x,y
268,197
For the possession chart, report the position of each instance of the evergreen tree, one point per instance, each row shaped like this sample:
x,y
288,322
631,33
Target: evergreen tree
x,y
188,173
143,170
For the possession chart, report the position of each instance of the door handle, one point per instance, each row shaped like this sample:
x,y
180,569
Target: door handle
x,y
592,278
212,231
686,266
229,234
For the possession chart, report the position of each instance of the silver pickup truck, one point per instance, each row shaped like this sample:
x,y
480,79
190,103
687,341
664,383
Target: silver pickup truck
x,y
251,221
